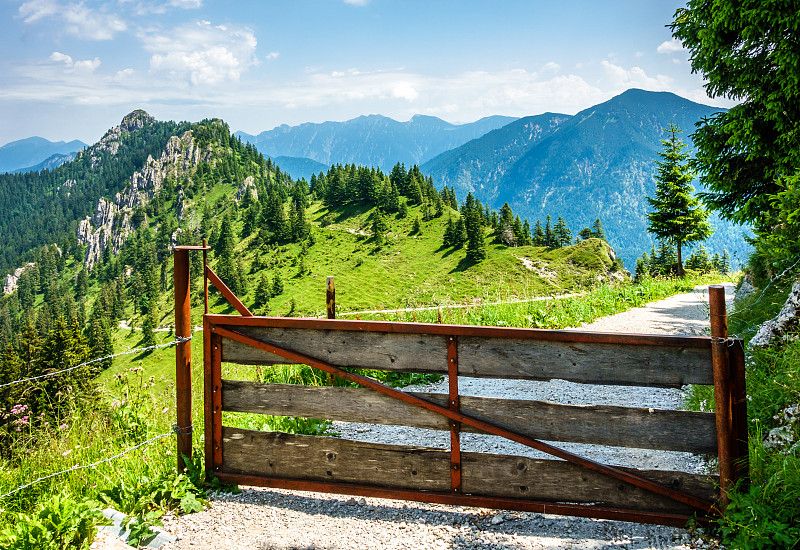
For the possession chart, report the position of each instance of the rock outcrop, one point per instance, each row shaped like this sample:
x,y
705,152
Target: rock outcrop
x,y
13,278
247,186
111,223
782,326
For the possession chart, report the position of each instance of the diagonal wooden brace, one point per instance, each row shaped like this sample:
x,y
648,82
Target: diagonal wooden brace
x,y
227,292
457,416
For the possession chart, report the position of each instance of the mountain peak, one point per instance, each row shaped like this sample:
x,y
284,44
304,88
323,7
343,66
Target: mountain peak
x,y
135,120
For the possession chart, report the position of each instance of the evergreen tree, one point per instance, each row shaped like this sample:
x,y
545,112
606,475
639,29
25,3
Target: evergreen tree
x,y
678,217
460,234
263,291
597,230
379,227
561,233
472,211
277,283
416,229
449,234
538,235
549,236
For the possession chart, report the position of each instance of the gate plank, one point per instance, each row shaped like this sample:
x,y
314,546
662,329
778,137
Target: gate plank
x,y
484,357
301,457
602,425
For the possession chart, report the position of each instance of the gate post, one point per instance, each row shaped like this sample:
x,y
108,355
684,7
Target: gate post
x,y
183,356
726,438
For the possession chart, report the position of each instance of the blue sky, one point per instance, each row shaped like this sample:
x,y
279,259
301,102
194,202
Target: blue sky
x,y
71,69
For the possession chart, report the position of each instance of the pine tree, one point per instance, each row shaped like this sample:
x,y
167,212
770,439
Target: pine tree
x,y
379,227
449,233
597,230
678,217
472,211
460,234
263,291
549,236
277,284
561,233
538,234
416,229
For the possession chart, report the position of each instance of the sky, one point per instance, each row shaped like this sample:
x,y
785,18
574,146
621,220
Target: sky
x,y
72,69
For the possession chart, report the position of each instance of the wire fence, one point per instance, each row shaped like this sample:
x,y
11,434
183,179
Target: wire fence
x,y
175,429
92,465
178,340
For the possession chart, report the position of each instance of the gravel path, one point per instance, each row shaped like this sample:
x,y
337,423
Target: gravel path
x,y
267,519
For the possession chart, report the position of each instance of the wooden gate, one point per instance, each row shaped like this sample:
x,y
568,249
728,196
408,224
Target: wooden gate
x,y
570,485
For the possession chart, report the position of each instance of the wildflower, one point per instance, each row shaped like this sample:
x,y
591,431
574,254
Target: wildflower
x,y
63,427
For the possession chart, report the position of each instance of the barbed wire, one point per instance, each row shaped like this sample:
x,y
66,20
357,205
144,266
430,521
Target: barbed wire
x,y
175,430
178,340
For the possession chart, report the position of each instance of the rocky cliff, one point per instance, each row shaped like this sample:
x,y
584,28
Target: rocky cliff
x,y
111,223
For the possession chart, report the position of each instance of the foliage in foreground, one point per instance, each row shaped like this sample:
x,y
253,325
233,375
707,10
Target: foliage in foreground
x,y
767,514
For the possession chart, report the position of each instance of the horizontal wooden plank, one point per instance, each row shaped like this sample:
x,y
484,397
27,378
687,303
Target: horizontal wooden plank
x,y
483,357
327,459
642,428
700,342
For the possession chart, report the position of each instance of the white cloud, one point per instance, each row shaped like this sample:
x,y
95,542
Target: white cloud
x,y
621,79
201,53
551,67
404,90
85,66
670,46
356,2
272,55
77,19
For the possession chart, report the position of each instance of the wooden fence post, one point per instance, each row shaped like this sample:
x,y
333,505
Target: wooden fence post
x,y
330,301
726,437
183,356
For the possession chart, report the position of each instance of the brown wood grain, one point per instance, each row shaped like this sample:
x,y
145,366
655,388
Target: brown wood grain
x,y
327,459
597,424
485,357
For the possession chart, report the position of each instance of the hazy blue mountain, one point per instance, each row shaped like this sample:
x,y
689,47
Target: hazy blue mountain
x,y
597,163
299,167
25,153
372,140
53,161
480,164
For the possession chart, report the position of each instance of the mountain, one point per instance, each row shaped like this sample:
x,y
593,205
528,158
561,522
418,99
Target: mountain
x,y
478,165
45,207
300,167
598,163
372,140
53,161
33,150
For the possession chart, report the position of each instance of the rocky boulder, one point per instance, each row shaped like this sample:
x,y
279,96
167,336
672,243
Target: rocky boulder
x,y
784,324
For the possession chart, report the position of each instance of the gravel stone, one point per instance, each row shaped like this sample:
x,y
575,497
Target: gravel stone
x,y
277,519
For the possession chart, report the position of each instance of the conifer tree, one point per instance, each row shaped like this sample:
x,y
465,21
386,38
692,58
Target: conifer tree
x,y
549,236
416,229
597,230
277,284
678,217
472,211
460,234
263,290
538,234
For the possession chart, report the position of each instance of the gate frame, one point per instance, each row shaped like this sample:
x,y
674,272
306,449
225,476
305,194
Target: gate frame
x,y
729,390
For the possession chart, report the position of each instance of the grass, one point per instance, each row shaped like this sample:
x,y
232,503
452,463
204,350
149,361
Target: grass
x,y
767,514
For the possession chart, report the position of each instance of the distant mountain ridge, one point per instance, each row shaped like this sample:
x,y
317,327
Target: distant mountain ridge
x,y
598,163
51,162
371,140
29,152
